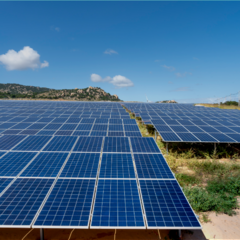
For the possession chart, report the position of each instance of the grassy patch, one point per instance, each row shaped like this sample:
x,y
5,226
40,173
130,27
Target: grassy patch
x,y
185,179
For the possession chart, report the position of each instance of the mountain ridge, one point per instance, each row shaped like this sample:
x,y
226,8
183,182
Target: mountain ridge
x,y
16,91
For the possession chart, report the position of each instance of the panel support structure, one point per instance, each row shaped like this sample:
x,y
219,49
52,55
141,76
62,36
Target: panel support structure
x,y
155,135
215,149
41,234
180,234
167,148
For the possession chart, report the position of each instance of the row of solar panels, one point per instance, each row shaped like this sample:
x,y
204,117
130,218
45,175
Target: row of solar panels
x,y
212,129
72,127
81,144
78,190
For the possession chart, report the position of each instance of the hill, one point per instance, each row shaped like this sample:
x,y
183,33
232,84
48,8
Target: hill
x,y
13,91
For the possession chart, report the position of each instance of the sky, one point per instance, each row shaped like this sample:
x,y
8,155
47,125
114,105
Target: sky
x,y
186,51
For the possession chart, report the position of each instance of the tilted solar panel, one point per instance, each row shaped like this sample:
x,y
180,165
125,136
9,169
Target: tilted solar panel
x,y
144,145
116,144
61,143
88,144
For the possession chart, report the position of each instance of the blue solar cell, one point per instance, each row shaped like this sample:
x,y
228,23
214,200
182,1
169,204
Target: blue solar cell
x,y
158,122
99,133
46,132
117,204
13,163
117,165
88,144
152,166
116,144
11,132
17,119
100,127
115,128
193,129
204,137
32,143
133,134
45,119
81,165
88,120
172,122
144,145
31,119
101,121
61,143
166,206
131,128
6,125
74,207
178,129
73,120
129,121
81,133
8,142
68,127
4,183
29,132
59,120
21,201
2,153
199,123
163,128
224,129
227,123
222,137
235,129
63,133
37,126
116,134
52,126
234,136
115,121
209,129
21,125
185,122
45,165
187,137
84,127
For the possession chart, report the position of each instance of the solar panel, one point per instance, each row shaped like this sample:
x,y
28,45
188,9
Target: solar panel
x,y
21,125
68,205
13,163
235,129
163,128
117,205
74,120
88,120
32,143
101,121
11,132
166,206
209,129
116,144
45,119
61,143
37,126
88,144
46,132
52,126
84,127
45,165
6,125
204,137
187,137
178,129
28,132
99,133
8,142
63,133
133,134
21,201
115,121
222,137
81,133
144,145
193,128
152,166
129,121
116,165
81,165
115,128
234,136
100,127
131,128
116,134
68,127
4,183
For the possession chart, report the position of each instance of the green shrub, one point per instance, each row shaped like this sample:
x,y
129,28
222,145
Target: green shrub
x,y
185,179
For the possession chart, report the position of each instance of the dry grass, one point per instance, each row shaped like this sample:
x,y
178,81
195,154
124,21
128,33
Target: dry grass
x,y
219,106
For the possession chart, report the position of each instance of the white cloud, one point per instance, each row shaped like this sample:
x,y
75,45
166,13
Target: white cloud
x,y
110,52
22,60
183,74
170,68
121,81
118,81
57,29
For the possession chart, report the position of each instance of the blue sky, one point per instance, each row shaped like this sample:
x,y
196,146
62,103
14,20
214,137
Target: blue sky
x,y
188,51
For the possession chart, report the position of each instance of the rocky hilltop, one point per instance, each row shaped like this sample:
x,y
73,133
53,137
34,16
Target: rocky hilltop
x,y
13,91
167,101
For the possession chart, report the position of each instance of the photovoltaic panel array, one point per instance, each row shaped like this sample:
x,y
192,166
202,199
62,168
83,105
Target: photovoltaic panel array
x,y
187,123
84,165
